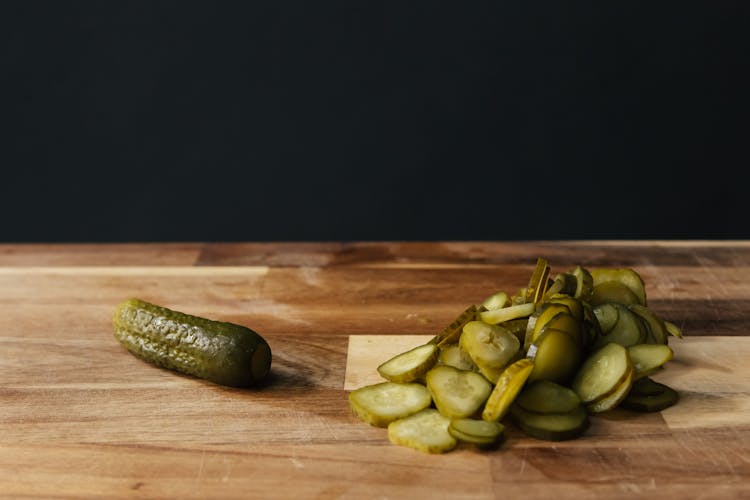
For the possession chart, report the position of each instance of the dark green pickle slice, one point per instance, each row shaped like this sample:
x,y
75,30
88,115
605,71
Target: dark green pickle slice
x,y
544,396
479,432
650,396
223,353
551,426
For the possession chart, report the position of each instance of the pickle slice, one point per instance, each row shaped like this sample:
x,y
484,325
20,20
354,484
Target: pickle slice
x,y
517,327
457,393
629,329
657,330
575,306
453,355
584,284
380,404
520,297
556,356
503,314
496,301
544,396
452,332
626,276
541,316
565,323
613,292
651,402
591,329
538,282
673,329
410,365
607,315
551,426
507,388
479,432
490,347
647,358
611,401
425,431
564,283
602,373
646,386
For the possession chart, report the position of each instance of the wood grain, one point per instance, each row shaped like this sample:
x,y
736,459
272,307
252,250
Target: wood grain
x,y
82,418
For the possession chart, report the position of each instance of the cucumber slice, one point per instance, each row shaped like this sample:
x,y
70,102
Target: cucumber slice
x,y
503,314
425,431
602,373
453,355
551,426
507,388
490,347
626,276
647,358
457,393
479,432
544,396
410,365
556,356
609,402
380,404
496,301
651,402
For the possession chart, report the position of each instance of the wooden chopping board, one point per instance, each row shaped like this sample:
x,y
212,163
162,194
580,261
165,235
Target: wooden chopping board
x,y
80,417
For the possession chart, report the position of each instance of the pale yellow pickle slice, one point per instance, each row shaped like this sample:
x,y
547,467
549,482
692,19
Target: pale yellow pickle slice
x,y
457,393
410,365
380,404
426,431
508,386
490,347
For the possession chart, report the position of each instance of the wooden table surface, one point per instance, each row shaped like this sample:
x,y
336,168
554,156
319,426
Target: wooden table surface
x,y
80,417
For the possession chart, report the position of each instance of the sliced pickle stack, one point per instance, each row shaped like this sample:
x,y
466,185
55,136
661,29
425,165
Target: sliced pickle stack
x,y
547,410
547,358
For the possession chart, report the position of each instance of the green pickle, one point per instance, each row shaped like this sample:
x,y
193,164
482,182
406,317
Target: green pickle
x,y
220,352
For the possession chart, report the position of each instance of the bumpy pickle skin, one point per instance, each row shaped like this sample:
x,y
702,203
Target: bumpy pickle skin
x,y
220,352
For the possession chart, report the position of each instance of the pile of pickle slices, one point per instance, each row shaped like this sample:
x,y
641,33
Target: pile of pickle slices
x,y
548,357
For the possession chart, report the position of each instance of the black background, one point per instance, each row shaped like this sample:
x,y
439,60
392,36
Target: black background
x,y
159,121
